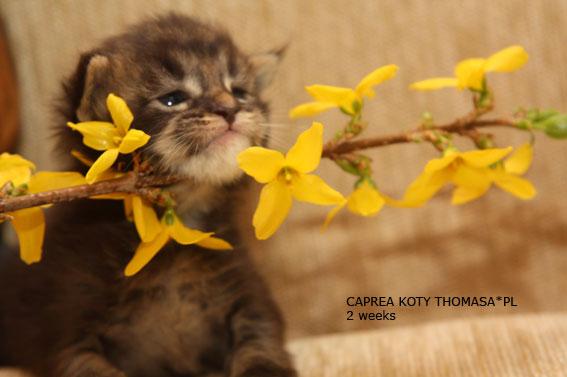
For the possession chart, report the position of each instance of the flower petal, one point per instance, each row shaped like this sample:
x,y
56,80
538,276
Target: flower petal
x,y
273,207
262,164
81,157
365,200
470,73
145,219
438,164
462,194
29,224
305,155
435,83
145,252
341,97
467,176
517,186
184,235
8,161
507,60
485,157
133,140
97,135
423,188
520,160
312,189
102,164
310,109
364,87
54,180
128,205
215,243
332,213
120,113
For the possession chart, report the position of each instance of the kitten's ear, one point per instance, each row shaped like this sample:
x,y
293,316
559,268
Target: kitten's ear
x,y
90,77
266,65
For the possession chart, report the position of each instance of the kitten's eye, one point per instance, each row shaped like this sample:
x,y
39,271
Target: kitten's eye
x,y
173,98
240,94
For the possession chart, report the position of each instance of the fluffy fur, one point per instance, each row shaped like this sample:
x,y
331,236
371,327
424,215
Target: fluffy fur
x,y
190,312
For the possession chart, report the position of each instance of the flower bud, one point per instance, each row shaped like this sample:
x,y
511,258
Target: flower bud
x,y
556,126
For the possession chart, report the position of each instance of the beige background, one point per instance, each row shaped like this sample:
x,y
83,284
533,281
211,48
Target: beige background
x,y
495,246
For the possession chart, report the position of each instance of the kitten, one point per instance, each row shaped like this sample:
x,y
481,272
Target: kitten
x,y
191,311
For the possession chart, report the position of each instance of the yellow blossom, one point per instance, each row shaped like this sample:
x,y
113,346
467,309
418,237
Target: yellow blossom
x,y
473,173
505,175
365,200
170,227
111,138
29,223
347,99
470,73
287,177
14,168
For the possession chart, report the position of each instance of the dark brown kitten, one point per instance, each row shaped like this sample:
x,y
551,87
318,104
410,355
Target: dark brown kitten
x,y
191,311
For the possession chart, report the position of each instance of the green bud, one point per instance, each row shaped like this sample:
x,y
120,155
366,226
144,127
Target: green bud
x,y
536,115
169,217
524,124
345,111
556,126
427,119
363,179
356,106
485,142
484,99
347,166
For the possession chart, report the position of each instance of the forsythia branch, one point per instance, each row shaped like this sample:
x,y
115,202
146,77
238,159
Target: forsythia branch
x,y
460,126
134,183
130,183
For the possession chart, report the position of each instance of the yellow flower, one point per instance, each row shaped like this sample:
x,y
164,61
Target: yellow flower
x,y
470,73
505,175
473,173
112,138
29,223
365,200
347,99
169,227
14,168
287,177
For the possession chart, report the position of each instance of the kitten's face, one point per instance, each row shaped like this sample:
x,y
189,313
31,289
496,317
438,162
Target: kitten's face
x,y
190,89
203,116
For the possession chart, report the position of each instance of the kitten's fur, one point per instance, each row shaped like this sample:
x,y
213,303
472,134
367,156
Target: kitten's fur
x,y
190,312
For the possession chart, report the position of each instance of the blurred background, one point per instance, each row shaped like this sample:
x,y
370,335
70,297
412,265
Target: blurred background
x,y
497,245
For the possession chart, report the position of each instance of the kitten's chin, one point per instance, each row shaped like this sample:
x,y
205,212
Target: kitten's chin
x,y
217,164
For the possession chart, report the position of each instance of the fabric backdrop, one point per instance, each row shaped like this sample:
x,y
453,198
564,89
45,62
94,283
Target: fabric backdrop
x,y
497,245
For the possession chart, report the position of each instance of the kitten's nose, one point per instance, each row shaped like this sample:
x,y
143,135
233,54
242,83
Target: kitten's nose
x,y
226,106
228,113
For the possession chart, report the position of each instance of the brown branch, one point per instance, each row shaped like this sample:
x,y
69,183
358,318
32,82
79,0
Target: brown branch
x,y
130,183
460,126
